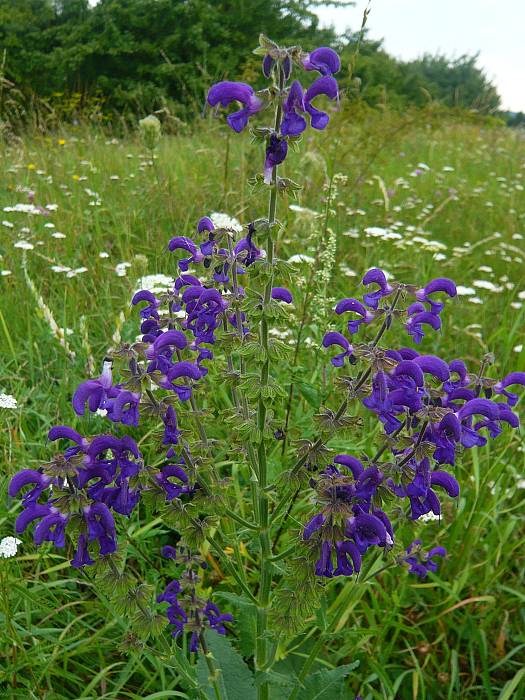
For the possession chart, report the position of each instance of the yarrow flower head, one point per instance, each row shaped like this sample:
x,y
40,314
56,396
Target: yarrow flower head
x,y
9,547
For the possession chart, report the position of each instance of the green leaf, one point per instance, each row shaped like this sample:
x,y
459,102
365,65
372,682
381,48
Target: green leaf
x,y
328,685
235,678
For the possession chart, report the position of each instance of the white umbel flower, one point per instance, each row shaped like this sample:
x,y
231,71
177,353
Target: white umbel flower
x,y
9,547
8,401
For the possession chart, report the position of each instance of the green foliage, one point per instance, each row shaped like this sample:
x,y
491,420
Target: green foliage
x,y
234,677
456,635
139,56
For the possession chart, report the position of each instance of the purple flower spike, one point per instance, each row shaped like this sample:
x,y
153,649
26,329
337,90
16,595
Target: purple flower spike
x,y
324,60
67,433
353,305
376,276
293,124
226,92
322,86
276,152
336,338
282,294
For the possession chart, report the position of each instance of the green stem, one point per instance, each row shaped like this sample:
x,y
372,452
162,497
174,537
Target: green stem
x,y
261,650
211,667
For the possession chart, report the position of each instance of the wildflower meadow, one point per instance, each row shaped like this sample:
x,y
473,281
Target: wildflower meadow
x,y
260,384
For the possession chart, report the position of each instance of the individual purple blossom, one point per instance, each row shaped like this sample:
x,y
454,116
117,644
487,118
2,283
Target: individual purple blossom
x,y
324,60
93,391
293,123
276,152
336,338
417,318
282,294
512,379
421,562
226,92
174,489
185,243
355,306
440,284
322,86
376,276
151,309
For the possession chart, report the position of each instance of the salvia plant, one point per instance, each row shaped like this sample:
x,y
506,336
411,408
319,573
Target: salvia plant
x,y
214,462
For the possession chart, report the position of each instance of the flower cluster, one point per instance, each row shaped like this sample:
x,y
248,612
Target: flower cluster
x,y
348,523
297,103
420,562
429,408
82,488
187,611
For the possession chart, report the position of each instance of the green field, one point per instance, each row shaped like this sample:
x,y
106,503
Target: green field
x,y
420,195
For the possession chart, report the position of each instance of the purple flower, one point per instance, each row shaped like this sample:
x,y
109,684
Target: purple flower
x,y
282,294
514,378
324,60
293,123
376,276
336,338
322,86
185,243
430,364
150,310
226,92
440,284
174,489
313,525
171,431
276,152
418,319
347,305
420,562
94,391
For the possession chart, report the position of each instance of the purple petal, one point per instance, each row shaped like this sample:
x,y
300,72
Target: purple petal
x,y
446,481
282,294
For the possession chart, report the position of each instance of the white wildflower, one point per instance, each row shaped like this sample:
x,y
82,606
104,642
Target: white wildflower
x,y
58,234
76,271
7,224
222,220
465,291
9,547
24,245
155,283
301,258
121,268
8,401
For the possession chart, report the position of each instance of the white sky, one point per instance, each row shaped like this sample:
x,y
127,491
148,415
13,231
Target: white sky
x,y
494,28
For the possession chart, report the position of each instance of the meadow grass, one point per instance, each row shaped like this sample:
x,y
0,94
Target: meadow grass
x,y
420,195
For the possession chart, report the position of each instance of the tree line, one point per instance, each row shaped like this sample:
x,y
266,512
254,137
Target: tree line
x,y
137,55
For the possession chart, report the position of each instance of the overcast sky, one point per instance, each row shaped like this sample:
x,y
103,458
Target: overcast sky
x,y
494,28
